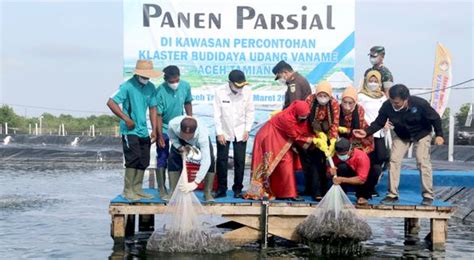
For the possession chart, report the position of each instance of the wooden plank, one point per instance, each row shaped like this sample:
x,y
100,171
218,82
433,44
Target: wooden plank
x,y
446,209
285,211
242,236
367,206
425,208
382,207
300,205
404,207
138,209
118,226
279,204
439,230
402,214
217,204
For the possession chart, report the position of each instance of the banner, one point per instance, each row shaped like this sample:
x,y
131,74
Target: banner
x,y
469,117
442,78
207,39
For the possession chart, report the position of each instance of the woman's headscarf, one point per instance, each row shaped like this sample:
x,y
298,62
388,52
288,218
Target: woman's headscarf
x,y
288,117
325,87
301,108
372,93
350,92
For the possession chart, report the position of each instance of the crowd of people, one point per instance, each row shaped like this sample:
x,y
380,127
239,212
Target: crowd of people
x,y
348,143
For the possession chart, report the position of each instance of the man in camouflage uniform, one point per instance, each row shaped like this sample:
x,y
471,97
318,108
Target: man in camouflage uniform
x,y
377,55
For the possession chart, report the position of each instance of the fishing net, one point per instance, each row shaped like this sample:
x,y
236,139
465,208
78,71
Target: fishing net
x,y
185,225
334,228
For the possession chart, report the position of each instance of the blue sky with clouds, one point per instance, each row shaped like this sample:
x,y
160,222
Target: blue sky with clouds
x,y
68,54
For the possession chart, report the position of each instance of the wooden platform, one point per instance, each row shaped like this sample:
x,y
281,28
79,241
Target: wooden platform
x,y
256,220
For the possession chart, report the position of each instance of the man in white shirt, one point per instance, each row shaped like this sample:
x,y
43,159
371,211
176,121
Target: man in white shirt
x,y
186,132
234,117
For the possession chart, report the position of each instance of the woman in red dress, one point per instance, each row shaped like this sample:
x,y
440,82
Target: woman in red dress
x,y
273,175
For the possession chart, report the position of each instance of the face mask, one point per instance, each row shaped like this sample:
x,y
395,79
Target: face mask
x,y
282,81
173,85
373,60
322,100
373,86
347,107
142,80
236,90
344,157
397,109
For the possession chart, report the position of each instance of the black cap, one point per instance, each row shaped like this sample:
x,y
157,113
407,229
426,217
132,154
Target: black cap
x,y
343,145
238,78
282,65
376,50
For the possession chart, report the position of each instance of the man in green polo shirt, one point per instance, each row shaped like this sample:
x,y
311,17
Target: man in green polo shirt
x,y
174,98
136,95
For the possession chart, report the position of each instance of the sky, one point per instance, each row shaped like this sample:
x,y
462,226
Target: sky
x,y
68,54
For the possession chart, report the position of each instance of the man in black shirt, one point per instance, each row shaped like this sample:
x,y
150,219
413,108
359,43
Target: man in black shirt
x,y
413,119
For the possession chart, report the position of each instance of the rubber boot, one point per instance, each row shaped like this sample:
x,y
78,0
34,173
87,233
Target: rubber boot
x,y
208,183
137,185
173,181
128,191
160,183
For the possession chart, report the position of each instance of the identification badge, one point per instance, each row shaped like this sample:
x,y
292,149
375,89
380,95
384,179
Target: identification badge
x,y
292,88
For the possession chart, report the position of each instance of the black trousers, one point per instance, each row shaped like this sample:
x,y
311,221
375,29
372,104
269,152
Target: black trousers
x,y
314,168
378,157
222,164
364,190
136,151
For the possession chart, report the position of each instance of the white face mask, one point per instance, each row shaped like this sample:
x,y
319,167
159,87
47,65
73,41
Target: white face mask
x,y
397,109
282,81
235,90
173,85
373,60
373,86
347,107
322,100
142,80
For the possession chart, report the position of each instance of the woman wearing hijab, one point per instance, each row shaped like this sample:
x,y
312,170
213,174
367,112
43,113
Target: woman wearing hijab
x,y
323,119
352,117
371,97
272,173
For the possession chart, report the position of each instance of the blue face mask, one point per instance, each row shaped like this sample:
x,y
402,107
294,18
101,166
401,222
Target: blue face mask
x,y
343,158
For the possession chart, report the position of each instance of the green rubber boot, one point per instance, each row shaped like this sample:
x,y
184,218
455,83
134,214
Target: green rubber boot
x,y
128,191
173,181
160,183
208,183
137,185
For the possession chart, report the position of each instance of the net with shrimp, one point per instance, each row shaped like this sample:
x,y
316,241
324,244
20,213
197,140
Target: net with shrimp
x,y
334,228
186,226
